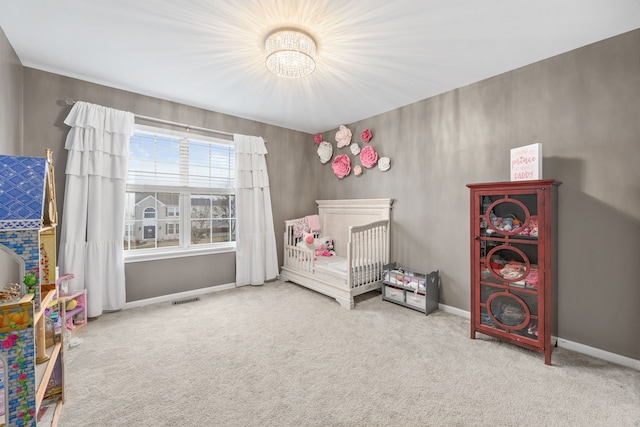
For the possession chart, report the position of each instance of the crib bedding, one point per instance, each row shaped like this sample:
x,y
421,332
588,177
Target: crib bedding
x,y
331,268
333,265
337,268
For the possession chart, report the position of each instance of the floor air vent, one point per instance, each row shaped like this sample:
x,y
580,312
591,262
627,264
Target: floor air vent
x,y
185,301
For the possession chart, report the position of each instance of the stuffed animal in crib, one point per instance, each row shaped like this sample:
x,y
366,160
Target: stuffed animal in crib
x,y
324,246
329,250
307,242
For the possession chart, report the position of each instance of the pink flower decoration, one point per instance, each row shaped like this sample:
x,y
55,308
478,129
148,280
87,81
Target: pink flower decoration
x,y
368,156
343,136
7,344
318,138
22,377
357,170
366,135
341,165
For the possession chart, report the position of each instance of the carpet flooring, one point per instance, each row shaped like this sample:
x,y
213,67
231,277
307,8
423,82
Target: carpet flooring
x,y
282,355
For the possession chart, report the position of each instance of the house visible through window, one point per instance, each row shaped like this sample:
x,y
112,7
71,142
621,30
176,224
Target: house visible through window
x,y
173,173
149,213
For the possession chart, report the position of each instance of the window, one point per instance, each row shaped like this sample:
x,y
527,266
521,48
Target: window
x,y
149,213
172,173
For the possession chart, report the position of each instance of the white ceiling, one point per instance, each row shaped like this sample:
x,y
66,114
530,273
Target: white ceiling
x,y
373,55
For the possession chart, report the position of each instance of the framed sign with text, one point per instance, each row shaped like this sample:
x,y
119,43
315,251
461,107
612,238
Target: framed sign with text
x,y
526,162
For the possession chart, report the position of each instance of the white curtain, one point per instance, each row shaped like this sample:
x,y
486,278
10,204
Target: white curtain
x,y
91,240
256,256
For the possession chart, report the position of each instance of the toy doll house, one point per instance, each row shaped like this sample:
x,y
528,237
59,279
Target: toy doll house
x,y
27,236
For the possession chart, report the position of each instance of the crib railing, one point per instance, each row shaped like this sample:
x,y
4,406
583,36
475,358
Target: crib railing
x,y
295,256
367,252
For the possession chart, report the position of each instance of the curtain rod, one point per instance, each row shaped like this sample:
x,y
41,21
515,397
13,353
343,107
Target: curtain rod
x,y
71,101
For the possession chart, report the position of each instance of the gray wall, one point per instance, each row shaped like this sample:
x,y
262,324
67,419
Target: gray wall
x,y
10,128
11,72
45,111
584,107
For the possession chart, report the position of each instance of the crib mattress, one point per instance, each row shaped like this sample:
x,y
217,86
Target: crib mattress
x,y
336,268
333,267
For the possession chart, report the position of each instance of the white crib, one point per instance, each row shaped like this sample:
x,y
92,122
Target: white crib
x,y
360,231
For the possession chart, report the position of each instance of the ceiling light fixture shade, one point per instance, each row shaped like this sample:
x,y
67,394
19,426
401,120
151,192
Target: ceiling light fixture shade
x,y
290,53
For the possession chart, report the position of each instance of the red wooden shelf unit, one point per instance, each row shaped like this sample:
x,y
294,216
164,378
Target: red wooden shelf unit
x,y
513,269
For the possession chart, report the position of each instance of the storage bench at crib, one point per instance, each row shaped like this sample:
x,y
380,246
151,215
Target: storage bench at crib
x,y
411,288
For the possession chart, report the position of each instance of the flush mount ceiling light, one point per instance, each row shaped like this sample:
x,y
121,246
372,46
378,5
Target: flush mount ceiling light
x,y
290,53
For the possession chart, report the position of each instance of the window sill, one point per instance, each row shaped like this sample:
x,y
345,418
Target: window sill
x,y
177,253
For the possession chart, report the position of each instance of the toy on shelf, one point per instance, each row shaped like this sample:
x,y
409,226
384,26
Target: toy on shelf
x,y
75,307
10,293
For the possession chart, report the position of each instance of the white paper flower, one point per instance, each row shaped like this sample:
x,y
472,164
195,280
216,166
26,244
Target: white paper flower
x,y
355,148
325,151
343,136
384,163
357,170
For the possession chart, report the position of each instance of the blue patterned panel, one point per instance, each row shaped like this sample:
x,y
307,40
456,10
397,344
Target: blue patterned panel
x,y
22,183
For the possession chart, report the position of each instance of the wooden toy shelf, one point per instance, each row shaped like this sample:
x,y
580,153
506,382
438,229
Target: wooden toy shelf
x,y
411,288
32,326
76,318
49,376
44,372
31,368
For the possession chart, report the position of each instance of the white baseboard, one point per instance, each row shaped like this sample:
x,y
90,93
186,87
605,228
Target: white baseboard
x,y
600,354
454,310
179,295
569,345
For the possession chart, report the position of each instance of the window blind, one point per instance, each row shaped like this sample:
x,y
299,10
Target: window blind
x,y
159,161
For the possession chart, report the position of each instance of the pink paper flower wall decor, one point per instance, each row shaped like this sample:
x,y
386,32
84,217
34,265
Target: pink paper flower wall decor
x,y
366,135
343,136
341,165
368,156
